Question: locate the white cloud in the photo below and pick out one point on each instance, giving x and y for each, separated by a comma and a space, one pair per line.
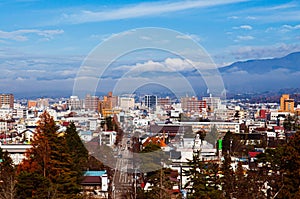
245, 38
258, 52
245, 27
287, 28
22, 35
251, 17
272, 13
168, 65
282, 6
141, 10
233, 17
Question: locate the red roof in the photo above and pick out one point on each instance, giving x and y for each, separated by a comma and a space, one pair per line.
66, 123
253, 154
155, 140
278, 128
96, 180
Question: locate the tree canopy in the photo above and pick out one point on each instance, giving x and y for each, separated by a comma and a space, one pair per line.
49, 162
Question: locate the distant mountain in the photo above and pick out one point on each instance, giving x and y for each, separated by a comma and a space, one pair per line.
290, 63
262, 75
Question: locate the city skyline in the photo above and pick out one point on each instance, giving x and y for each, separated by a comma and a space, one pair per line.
43, 53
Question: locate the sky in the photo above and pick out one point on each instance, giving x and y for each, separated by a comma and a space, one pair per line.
44, 43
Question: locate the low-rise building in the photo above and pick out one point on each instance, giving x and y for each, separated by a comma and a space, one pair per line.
107, 138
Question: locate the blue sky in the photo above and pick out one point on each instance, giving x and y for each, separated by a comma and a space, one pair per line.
43, 43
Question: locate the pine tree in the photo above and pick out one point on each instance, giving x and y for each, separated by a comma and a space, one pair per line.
212, 136
160, 184
77, 151
7, 177
196, 178
32, 185
213, 181
151, 158
228, 177
48, 159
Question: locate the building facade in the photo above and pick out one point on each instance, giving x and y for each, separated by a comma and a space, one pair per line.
91, 103
192, 104
6, 101
287, 104
126, 103
150, 101
74, 103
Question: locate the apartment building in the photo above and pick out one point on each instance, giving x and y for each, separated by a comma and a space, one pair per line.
6, 101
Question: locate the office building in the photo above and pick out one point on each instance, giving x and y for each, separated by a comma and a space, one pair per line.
126, 103
286, 104
192, 104
6, 101
150, 101
91, 103
74, 103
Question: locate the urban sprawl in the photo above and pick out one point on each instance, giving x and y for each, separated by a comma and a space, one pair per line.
149, 147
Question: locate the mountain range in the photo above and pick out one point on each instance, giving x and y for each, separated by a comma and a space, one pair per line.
263, 74
289, 62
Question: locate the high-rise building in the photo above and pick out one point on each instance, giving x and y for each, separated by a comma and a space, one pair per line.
286, 104
31, 103
164, 102
108, 105
213, 103
113, 99
7, 100
91, 103
192, 104
126, 103
150, 101
42, 103
74, 103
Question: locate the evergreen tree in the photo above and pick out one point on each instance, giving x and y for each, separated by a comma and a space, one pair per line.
227, 180
33, 185
196, 184
160, 184
212, 180
227, 142
291, 123
151, 159
231, 144
7, 177
48, 158
212, 136
282, 168
77, 151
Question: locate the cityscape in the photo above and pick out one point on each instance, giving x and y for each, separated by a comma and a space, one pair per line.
147, 99
151, 146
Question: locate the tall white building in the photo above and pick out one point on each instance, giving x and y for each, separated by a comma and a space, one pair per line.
74, 103
126, 103
212, 103
108, 138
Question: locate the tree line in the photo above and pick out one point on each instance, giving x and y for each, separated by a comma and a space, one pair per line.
53, 167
